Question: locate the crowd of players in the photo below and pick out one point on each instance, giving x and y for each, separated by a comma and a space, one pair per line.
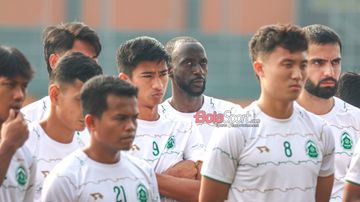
98, 137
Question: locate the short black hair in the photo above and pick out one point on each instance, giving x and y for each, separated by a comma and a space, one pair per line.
348, 89
94, 93
137, 50
321, 35
267, 38
13, 63
73, 66
170, 45
61, 38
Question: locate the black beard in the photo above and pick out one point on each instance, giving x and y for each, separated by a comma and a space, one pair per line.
322, 92
187, 87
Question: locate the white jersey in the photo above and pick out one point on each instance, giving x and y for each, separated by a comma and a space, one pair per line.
47, 152
79, 178
37, 110
40, 110
163, 143
273, 160
353, 174
206, 118
19, 181
345, 125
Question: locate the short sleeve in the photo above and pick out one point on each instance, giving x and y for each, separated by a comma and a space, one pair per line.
223, 154
327, 165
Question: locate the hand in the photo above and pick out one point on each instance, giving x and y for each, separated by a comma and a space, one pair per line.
183, 169
14, 131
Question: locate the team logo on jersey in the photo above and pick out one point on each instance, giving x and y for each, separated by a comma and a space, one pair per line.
311, 149
45, 173
21, 175
263, 149
97, 196
346, 141
171, 142
142, 193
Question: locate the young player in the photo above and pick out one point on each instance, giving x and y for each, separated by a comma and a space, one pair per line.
162, 142
289, 155
102, 171
324, 68
17, 167
188, 69
55, 137
348, 88
74, 36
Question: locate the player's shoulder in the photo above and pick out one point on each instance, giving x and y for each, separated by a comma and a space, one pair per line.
34, 111
344, 107
220, 104
45, 101
135, 161
71, 163
307, 116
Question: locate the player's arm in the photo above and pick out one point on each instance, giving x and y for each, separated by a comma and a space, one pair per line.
180, 189
213, 190
13, 134
323, 188
185, 169
6, 153
351, 192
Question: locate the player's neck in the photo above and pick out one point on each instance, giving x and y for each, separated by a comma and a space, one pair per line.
315, 104
183, 102
56, 130
148, 113
102, 154
275, 108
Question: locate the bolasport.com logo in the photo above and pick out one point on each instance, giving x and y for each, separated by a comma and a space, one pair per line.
227, 119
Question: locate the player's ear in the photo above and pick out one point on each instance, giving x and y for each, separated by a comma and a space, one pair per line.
90, 122
53, 58
258, 68
170, 69
123, 76
54, 91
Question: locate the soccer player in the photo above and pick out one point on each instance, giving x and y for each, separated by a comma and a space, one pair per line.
101, 171
74, 36
352, 179
324, 68
188, 69
289, 155
160, 141
17, 167
55, 137
348, 88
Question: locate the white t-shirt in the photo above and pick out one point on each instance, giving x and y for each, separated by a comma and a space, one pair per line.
47, 152
353, 174
37, 110
40, 110
19, 181
164, 142
344, 121
276, 160
203, 118
79, 178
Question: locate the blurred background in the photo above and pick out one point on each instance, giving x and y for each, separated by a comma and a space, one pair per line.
223, 26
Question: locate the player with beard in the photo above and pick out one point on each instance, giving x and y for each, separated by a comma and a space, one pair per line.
324, 68
171, 147
188, 69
